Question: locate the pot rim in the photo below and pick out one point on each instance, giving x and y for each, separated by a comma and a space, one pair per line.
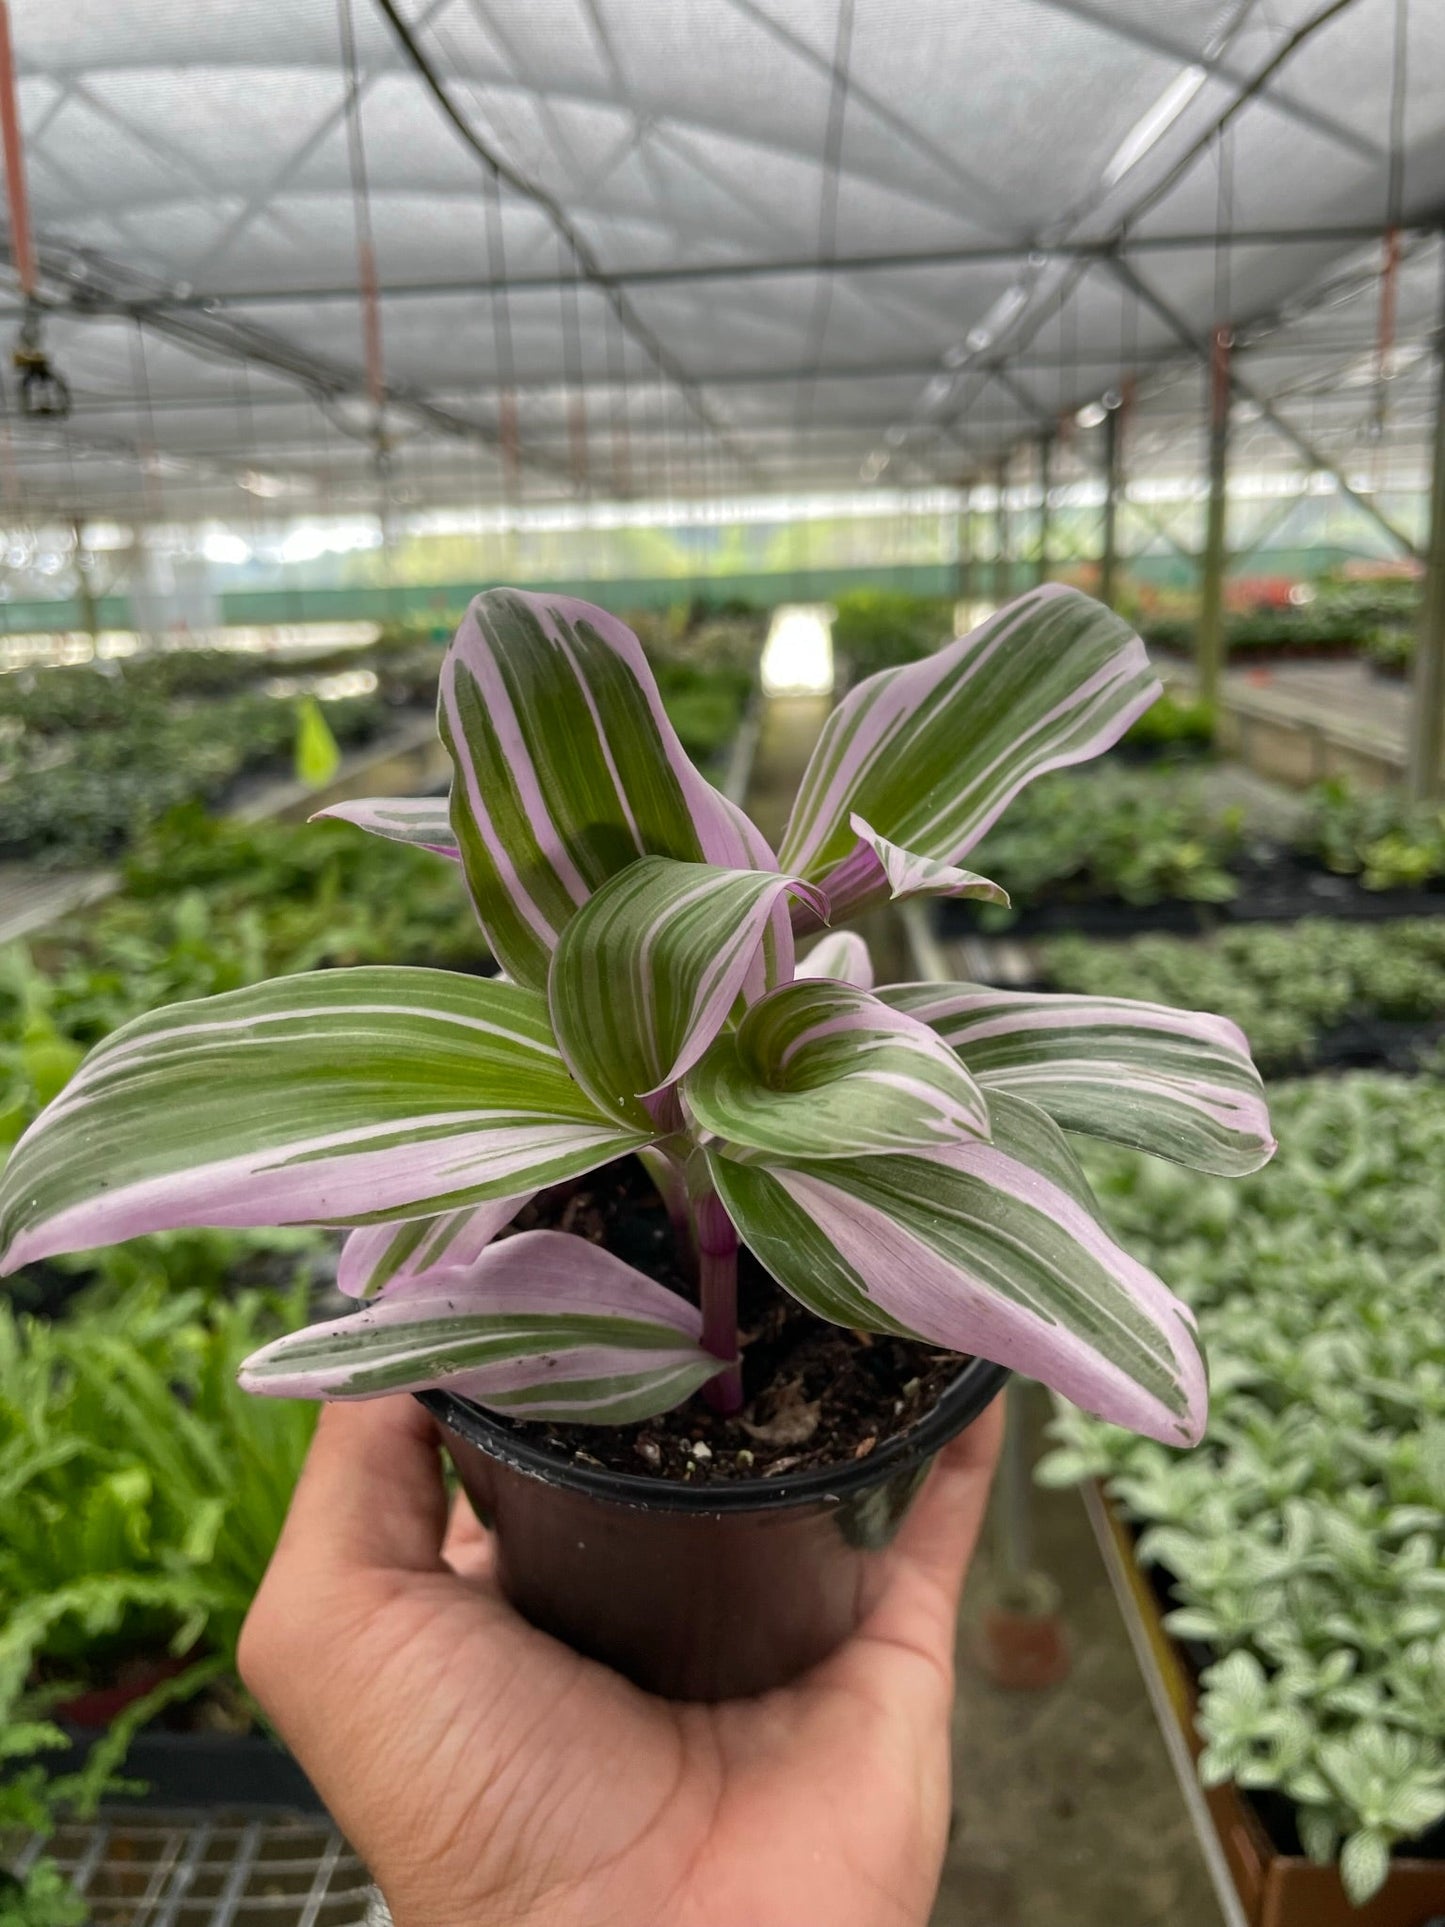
973, 1389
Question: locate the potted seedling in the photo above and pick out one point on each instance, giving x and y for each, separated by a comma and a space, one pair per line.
772, 1236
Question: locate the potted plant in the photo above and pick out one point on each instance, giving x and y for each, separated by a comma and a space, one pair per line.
883, 1175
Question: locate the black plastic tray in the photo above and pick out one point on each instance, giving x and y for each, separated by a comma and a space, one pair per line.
203, 1770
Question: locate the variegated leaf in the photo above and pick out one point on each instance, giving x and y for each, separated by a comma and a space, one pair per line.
929, 754
329, 1097
544, 1326
1179, 1083
567, 770
384, 1257
880, 868
819, 1069
843, 955
645, 974
423, 820
990, 1249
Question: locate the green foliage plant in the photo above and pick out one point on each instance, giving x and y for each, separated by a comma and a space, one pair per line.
1305, 1540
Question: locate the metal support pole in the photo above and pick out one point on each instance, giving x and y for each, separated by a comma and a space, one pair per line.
1002, 560
22, 248
1108, 557
1210, 646
1427, 691
1046, 465
963, 568
85, 586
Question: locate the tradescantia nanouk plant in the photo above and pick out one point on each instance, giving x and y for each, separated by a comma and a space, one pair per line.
895, 1158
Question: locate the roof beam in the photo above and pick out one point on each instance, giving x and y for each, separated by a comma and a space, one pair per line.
1140, 32
1340, 235
1198, 347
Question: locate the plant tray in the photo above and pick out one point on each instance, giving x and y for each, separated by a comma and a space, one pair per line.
1280, 890
232, 1770
1267, 1888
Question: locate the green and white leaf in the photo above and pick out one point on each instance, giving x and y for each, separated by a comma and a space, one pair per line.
991, 1249
1178, 1083
820, 1069
329, 1097
544, 1326
568, 770
648, 970
929, 754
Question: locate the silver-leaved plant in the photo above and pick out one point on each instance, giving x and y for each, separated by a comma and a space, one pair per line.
896, 1158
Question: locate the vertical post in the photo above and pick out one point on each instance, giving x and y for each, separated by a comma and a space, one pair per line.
1002, 560
1427, 691
85, 588
22, 247
1210, 643
963, 568
1108, 556
1046, 476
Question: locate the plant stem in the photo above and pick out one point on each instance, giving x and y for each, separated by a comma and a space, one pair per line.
717, 1245
671, 1181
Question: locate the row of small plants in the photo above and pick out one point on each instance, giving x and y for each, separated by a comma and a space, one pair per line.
1301, 1548
91, 755
143, 1493
1146, 836
86, 808
1302, 993
1341, 618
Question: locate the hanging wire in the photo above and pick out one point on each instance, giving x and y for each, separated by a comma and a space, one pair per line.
1390, 257
621, 407
367, 279
508, 427
578, 454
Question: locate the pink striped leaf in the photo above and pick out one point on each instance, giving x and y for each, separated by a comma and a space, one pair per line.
422, 820
929, 754
878, 868
567, 770
1178, 1083
647, 972
843, 955
820, 1069
992, 1249
543, 1326
384, 1257
329, 1097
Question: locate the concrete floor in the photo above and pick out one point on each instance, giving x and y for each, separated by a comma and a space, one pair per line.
1067, 1810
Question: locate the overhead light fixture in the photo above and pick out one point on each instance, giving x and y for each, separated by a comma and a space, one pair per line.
266, 486
896, 436
988, 328
1152, 126
1091, 414
938, 388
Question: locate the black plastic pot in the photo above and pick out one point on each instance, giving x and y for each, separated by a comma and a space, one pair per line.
697, 1593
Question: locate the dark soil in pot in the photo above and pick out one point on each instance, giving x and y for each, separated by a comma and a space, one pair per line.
816, 1394
705, 1557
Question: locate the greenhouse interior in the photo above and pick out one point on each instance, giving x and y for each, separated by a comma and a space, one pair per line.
539, 541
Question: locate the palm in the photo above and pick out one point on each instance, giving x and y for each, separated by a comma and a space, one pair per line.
488, 1773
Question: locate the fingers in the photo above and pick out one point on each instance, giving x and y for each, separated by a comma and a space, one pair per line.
931, 1554
371, 1496
467, 1548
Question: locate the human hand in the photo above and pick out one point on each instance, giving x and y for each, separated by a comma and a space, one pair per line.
490, 1777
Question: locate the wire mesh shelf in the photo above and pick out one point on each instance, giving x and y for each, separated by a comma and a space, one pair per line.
182, 1869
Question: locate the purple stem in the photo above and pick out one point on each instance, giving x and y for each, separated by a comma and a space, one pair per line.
717, 1245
